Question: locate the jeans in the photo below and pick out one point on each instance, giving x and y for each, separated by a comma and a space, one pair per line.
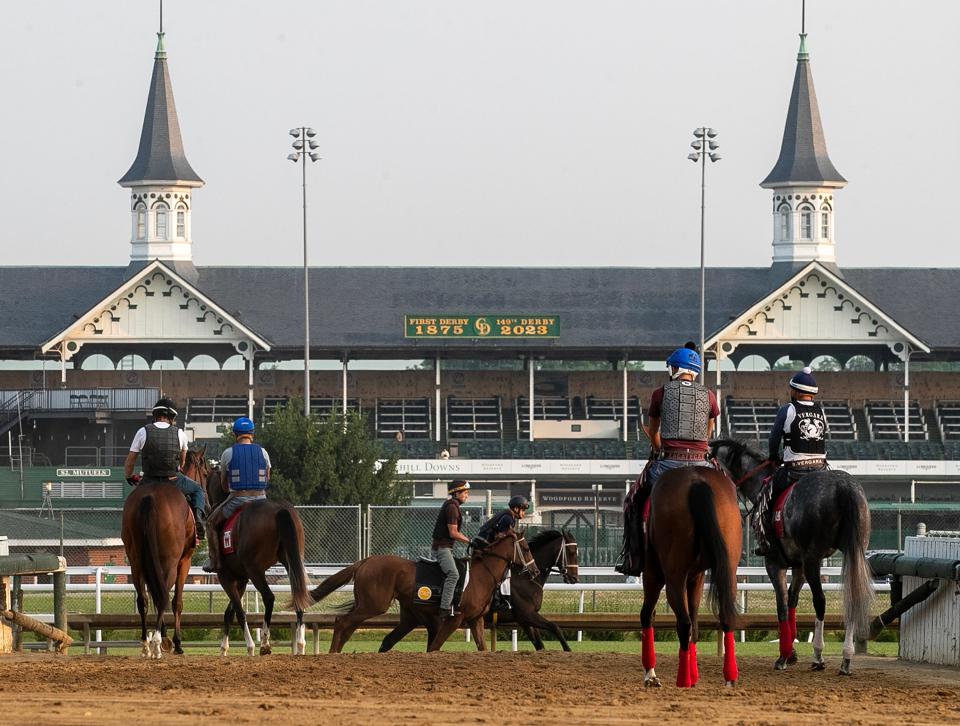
661, 466
449, 567
192, 491
234, 503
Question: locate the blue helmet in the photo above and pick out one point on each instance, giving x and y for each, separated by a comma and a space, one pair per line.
243, 425
685, 359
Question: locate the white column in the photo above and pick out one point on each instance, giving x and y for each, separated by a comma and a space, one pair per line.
250, 385
719, 395
906, 395
626, 418
345, 370
436, 387
530, 365
63, 364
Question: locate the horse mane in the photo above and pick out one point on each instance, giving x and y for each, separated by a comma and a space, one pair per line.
544, 538
738, 447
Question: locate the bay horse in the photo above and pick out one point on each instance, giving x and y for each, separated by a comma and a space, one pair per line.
159, 536
694, 526
380, 579
551, 549
825, 511
266, 532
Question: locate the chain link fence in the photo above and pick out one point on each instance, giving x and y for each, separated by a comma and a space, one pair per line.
340, 535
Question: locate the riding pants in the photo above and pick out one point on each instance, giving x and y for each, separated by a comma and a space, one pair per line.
188, 487
658, 467
232, 504
449, 567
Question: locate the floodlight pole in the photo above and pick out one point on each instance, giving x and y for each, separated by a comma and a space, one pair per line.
703, 147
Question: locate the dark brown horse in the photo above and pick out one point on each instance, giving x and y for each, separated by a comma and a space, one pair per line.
159, 536
825, 511
266, 532
694, 526
551, 549
381, 579
198, 468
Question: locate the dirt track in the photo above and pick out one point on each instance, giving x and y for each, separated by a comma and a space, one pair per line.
452, 688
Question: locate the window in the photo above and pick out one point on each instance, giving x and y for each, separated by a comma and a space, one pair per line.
785, 223
141, 223
806, 224
825, 225
161, 223
181, 224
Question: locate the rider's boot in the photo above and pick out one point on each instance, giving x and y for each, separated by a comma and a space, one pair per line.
200, 523
213, 551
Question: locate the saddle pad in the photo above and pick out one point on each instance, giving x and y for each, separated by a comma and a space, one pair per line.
429, 582
778, 510
505, 585
645, 516
226, 541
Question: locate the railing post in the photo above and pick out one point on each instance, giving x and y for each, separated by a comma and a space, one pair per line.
60, 600
97, 603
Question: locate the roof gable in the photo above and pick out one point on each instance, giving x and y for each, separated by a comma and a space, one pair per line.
812, 306
155, 306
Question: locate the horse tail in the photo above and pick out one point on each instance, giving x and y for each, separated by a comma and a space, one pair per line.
852, 539
290, 542
150, 554
334, 582
707, 533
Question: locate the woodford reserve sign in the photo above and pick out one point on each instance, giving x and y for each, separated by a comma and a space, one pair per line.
481, 326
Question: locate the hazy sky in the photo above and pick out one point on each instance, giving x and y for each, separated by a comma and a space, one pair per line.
488, 132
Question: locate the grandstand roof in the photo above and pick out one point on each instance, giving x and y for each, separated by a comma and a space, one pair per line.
360, 310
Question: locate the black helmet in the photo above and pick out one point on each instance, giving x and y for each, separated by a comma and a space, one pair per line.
518, 502
165, 407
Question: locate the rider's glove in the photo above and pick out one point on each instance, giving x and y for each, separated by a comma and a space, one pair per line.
133, 480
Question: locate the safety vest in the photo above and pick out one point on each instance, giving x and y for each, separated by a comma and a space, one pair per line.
684, 411
806, 434
247, 468
161, 451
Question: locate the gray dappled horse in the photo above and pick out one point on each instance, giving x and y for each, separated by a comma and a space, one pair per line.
825, 511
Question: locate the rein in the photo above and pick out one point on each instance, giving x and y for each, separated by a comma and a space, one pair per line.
749, 475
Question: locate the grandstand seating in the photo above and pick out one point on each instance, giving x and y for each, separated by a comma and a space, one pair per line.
611, 409
841, 425
750, 419
885, 419
318, 406
474, 418
948, 418
216, 410
545, 408
409, 416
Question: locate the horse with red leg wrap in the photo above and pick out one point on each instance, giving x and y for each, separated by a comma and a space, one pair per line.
693, 526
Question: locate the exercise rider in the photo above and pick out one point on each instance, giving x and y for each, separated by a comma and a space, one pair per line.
448, 530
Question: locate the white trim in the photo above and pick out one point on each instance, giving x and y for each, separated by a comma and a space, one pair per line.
728, 332
79, 323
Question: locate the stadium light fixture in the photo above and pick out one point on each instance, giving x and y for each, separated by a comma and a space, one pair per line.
302, 136
703, 140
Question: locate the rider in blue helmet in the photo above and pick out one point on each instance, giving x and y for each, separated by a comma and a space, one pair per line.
802, 427
502, 522
245, 473
682, 416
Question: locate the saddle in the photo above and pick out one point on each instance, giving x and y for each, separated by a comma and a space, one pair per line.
429, 581
226, 532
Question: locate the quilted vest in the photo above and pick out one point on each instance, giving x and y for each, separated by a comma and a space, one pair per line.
685, 411
161, 451
247, 468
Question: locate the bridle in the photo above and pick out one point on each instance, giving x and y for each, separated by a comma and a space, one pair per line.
561, 561
517, 559
748, 505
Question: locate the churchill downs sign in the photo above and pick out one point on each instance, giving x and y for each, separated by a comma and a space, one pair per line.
481, 326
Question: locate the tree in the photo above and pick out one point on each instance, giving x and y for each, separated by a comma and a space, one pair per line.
328, 460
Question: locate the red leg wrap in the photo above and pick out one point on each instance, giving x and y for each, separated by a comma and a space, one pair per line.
792, 618
694, 670
786, 639
649, 654
683, 669
730, 670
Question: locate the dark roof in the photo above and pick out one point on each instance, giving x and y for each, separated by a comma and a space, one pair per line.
803, 153
160, 156
356, 309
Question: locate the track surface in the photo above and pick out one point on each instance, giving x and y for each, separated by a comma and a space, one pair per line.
453, 688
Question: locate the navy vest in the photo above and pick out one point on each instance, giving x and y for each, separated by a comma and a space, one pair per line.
161, 451
247, 468
808, 430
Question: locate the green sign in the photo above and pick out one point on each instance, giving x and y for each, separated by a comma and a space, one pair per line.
481, 326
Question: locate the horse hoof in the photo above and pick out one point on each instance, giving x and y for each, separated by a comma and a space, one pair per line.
652, 683
780, 665
265, 650
166, 645
729, 684
818, 666
223, 652
250, 651
792, 659
177, 650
